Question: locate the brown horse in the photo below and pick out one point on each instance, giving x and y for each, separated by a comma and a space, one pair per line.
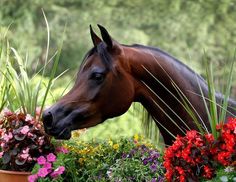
112, 76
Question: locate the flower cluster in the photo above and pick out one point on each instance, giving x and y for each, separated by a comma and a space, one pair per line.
125, 159
22, 140
224, 149
47, 168
194, 155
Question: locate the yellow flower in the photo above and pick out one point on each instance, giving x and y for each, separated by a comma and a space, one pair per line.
81, 161
110, 142
115, 146
136, 137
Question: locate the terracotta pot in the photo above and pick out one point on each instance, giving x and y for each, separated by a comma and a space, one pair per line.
13, 176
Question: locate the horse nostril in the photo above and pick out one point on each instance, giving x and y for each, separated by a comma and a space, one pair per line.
47, 119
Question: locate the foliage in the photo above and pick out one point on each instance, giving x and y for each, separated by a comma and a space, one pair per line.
194, 155
115, 160
22, 92
22, 140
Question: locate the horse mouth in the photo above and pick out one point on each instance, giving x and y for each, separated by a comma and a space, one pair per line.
64, 134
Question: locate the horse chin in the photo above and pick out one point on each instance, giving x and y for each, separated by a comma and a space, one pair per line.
65, 134
87, 123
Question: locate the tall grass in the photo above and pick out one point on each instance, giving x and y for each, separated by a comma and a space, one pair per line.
18, 88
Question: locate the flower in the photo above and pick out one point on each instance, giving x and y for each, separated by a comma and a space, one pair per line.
47, 165
1, 154
25, 130
62, 149
41, 160
153, 167
51, 157
187, 153
43, 172
60, 170
33, 178
115, 146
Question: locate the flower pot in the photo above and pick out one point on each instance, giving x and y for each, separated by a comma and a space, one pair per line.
13, 176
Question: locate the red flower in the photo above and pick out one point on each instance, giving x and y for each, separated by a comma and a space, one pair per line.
184, 157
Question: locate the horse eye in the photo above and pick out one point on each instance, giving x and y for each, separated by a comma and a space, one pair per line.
98, 77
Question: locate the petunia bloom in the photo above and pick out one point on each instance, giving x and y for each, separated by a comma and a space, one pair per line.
41, 160
33, 178
51, 157
43, 172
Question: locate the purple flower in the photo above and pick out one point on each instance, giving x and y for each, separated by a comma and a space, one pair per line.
41, 160
153, 167
51, 157
160, 179
60, 170
43, 172
145, 161
124, 155
154, 180
33, 178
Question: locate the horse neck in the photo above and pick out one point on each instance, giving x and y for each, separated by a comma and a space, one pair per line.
154, 74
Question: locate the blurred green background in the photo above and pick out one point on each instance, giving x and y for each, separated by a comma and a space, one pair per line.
184, 28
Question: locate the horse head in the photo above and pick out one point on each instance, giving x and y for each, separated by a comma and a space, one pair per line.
103, 89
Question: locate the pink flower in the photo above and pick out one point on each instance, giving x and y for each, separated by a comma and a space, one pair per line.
24, 156
28, 117
25, 130
8, 137
41, 160
33, 178
1, 154
51, 157
62, 150
26, 151
43, 172
60, 170
47, 165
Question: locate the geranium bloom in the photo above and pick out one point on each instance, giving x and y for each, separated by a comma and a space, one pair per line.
51, 157
43, 172
25, 130
41, 160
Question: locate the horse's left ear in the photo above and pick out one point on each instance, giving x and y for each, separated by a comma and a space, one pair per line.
106, 37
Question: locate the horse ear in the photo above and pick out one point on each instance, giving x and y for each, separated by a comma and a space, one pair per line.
105, 36
96, 40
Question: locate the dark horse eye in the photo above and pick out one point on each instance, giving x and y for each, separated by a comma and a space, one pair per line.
98, 77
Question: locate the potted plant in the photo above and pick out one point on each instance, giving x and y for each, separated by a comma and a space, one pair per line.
22, 138
22, 141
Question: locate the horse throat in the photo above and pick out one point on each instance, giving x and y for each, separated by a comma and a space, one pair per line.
154, 76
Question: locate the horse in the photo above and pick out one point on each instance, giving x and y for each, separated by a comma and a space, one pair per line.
112, 76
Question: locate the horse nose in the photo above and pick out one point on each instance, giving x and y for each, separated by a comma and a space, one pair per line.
47, 118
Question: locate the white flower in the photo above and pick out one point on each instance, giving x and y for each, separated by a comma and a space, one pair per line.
229, 169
